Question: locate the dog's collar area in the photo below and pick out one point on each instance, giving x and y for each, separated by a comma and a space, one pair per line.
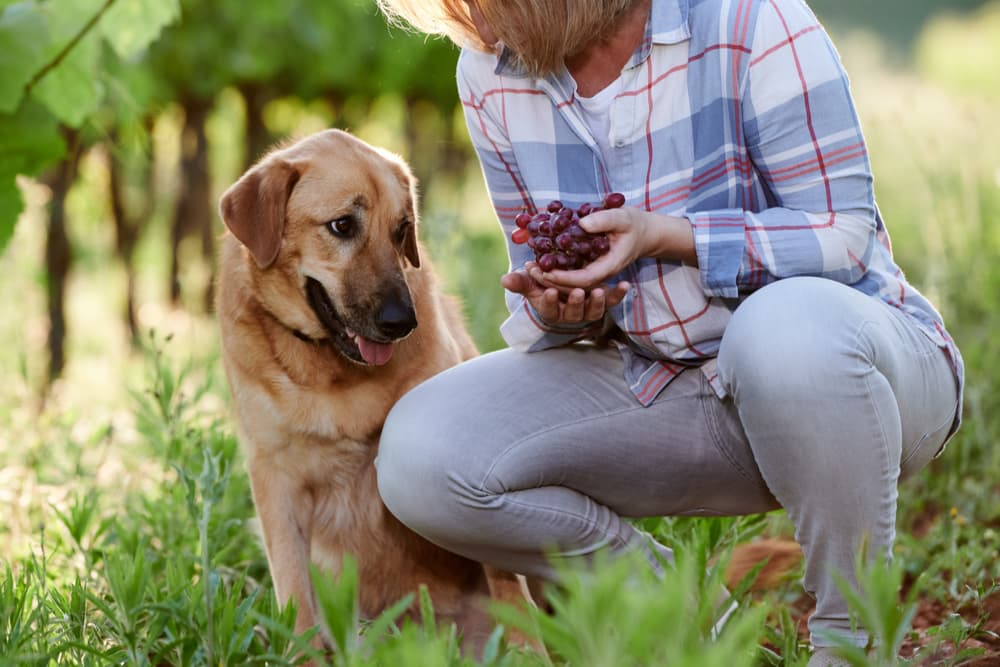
301, 336
305, 338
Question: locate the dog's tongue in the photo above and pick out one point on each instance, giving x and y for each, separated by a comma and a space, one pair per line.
374, 353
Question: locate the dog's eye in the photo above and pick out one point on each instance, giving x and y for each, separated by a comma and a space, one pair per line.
342, 227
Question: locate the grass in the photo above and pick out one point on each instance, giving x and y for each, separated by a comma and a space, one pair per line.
128, 534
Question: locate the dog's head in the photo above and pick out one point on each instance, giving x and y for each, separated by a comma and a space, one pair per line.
330, 223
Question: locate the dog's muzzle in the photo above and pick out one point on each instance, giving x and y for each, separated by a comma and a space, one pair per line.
396, 318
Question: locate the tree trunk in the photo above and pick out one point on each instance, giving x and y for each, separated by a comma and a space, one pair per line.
58, 254
456, 156
258, 139
193, 212
419, 160
128, 223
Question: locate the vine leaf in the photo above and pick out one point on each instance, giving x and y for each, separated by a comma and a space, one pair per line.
29, 141
73, 90
24, 35
129, 27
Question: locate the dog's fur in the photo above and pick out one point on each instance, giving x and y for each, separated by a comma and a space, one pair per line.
330, 312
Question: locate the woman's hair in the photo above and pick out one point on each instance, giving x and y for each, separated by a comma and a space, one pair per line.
540, 33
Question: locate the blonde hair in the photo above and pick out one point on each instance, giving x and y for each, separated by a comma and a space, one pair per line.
540, 33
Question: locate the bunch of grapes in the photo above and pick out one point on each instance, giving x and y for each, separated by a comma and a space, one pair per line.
558, 239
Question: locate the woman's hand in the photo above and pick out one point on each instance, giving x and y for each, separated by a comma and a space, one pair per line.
578, 306
633, 233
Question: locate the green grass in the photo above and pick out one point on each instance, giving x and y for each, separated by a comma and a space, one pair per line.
127, 531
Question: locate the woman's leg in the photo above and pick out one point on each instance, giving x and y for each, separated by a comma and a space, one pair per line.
837, 392
512, 457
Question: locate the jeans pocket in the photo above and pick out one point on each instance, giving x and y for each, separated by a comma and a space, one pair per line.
727, 435
924, 450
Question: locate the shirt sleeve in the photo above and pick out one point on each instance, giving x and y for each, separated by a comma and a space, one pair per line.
483, 108
804, 140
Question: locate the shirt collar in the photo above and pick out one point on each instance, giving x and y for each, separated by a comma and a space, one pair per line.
667, 24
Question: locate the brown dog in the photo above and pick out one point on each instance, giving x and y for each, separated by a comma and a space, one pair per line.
329, 313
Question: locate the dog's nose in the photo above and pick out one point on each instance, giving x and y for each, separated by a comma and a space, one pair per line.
396, 319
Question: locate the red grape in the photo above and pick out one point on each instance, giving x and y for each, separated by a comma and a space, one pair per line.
556, 237
614, 200
601, 245
547, 262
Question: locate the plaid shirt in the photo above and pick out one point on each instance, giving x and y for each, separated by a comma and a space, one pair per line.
733, 113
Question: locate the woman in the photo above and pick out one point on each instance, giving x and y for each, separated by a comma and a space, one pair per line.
768, 352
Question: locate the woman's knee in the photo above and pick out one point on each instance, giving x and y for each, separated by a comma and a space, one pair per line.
412, 456
432, 458
792, 336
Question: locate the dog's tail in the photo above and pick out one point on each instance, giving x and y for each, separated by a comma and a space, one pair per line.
778, 560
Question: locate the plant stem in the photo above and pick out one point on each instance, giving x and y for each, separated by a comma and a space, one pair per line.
206, 573
52, 64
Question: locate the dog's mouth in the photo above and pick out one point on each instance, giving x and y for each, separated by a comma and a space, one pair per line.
355, 347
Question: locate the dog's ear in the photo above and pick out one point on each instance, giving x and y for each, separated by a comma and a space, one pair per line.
253, 208
410, 249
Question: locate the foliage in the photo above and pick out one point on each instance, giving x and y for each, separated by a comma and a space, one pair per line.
178, 579
55, 72
898, 22
104, 64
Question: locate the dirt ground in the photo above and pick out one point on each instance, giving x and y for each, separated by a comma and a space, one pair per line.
931, 613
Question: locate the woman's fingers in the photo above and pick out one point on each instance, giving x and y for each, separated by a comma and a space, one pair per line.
548, 306
596, 304
593, 274
536, 274
616, 294
512, 282
573, 309
564, 305
611, 220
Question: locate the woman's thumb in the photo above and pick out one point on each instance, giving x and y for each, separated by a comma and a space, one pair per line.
515, 281
603, 221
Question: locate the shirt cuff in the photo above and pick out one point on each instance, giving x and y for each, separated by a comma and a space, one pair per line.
526, 331
719, 240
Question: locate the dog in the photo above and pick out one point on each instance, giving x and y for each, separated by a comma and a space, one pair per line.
329, 312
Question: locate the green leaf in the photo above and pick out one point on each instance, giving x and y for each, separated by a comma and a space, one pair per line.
73, 89
24, 36
129, 26
29, 140
11, 205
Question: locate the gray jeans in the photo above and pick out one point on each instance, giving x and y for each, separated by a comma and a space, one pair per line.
515, 458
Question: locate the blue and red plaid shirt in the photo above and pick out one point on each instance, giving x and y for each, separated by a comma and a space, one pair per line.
733, 113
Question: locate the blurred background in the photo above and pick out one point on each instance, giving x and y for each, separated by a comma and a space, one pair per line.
122, 122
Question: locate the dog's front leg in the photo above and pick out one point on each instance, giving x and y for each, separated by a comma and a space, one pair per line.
515, 589
285, 510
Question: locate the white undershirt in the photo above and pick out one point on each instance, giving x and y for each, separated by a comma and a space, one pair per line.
596, 111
